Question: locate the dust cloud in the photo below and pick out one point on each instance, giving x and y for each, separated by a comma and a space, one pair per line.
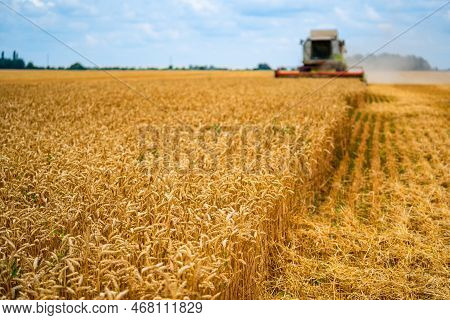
408, 77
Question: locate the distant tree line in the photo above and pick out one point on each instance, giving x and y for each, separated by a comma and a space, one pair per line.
388, 61
17, 63
14, 63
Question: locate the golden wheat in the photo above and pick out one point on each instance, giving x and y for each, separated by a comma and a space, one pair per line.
93, 206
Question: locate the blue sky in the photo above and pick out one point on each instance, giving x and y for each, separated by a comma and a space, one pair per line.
229, 33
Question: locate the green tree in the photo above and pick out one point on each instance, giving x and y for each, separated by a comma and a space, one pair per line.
263, 66
30, 65
77, 66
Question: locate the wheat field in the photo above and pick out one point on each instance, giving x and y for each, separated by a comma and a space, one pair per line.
221, 185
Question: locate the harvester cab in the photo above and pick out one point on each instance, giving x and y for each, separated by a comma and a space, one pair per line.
323, 56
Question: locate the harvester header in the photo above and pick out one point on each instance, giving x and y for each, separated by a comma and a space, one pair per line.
323, 56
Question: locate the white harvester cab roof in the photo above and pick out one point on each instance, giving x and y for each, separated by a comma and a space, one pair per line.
323, 34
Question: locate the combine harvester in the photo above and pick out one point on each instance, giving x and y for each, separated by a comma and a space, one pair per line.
323, 57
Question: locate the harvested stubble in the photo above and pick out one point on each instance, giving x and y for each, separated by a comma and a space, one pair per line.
383, 230
85, 213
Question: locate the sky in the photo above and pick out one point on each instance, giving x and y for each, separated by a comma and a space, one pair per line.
233, 33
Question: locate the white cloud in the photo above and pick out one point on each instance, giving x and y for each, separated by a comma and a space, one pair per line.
352, 19
78, 7
202, 6
78, 25
128, 12
39, 4
386, 27
148, 30
341, 13
91, 40
174, 34
372, 13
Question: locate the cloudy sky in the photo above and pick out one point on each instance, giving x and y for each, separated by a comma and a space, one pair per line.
233, 33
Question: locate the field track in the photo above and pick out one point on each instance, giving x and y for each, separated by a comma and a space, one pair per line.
382, 230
